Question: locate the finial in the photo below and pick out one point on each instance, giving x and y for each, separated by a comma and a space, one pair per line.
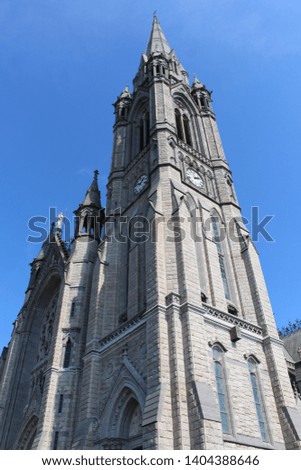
96, 173
195, 79
155, 14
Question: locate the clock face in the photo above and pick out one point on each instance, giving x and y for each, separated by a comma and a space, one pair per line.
195, 178
140, 184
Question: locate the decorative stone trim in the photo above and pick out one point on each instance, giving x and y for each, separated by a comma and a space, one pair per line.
74, 329
233, 320
123, 329
172, 298
138, 157
193, 152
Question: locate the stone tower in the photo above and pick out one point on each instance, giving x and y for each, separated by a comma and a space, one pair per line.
158, 334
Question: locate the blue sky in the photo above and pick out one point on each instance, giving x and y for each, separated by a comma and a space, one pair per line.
62, 65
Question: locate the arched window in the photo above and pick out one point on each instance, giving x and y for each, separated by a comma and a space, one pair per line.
187, 130
183, 127
85, 225
67, 357
72, 311
218, 242
221, 389
147, 128
143, 131
141, 135
46, 332
61, 401
258, 399
179, 124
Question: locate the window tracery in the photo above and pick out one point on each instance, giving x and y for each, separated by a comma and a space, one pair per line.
47, 329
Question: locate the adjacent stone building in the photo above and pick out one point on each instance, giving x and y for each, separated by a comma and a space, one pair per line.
292, 352
154, 330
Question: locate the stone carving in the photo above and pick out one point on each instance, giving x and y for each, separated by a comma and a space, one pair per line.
47, 330
173, 298
109, 370
127, 326
60, 219
194, 153
233, 320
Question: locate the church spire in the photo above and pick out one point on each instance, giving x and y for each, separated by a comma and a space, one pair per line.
90, 214
157, 41
92, 197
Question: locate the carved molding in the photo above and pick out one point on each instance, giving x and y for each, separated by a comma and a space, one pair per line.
233, 320
193, 152
172, 298
119, 332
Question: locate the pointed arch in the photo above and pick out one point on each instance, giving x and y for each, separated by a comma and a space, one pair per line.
40, 324
219, 345
187, 120
218, 352
67, 355
28, 434
126, 420
131, 425
139, 234
181, 99
139, 126
48, 287
128, 392
252, 362
190, 203
187, 130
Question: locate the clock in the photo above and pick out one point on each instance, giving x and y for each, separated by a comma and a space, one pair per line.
140, 184
195, 178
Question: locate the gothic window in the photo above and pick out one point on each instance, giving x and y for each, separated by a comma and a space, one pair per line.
47, 330
258, 399
183, 127
187, 130
61, 401
72, 311
138, 237
67, 357
141, 135
221, 389
88, 224
147, 128
179, 124
85, 225
221, 257
143, 131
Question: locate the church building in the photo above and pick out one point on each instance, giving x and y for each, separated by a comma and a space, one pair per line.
153, 329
